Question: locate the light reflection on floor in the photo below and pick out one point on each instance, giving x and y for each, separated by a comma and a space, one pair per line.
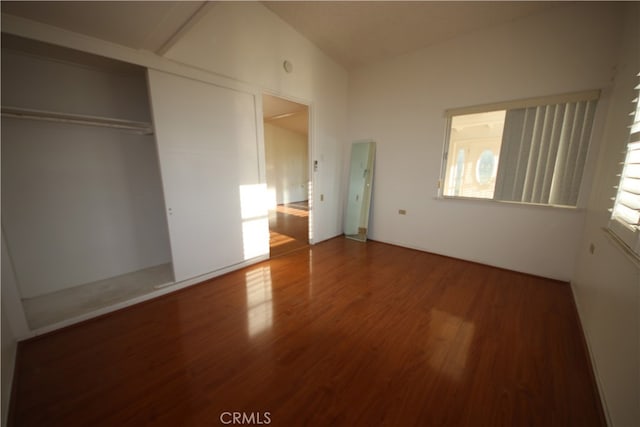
276, 239
289, 227
292, 211
449, 341
259, 300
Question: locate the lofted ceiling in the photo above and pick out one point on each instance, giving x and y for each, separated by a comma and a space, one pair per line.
148, 25
353, 33
358, 33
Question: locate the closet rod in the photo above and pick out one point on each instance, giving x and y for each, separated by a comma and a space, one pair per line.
51, 116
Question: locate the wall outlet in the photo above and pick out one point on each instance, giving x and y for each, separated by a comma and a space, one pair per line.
322, 197
402, 211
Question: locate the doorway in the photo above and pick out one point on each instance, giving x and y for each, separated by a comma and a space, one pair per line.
286, 141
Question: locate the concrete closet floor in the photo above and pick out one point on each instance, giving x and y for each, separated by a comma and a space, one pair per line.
66, 304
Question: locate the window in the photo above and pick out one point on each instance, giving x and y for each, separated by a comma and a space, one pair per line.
625, 215
530, 151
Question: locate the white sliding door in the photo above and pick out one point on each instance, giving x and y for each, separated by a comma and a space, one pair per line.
209, 160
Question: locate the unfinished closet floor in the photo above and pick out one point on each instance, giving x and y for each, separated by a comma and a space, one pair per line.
52, 308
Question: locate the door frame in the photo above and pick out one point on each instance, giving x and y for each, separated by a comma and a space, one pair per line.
310, 151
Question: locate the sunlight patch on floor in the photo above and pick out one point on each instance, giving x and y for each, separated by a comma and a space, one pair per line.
277, 239
292, 211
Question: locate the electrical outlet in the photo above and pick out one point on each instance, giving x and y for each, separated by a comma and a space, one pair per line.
402, 211
322, 197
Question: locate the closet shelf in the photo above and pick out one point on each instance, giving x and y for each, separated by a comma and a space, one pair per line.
81, 119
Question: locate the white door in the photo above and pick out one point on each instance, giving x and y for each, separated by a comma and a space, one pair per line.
208, 151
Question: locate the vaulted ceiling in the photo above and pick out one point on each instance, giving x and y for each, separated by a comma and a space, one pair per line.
354, 34
137, 24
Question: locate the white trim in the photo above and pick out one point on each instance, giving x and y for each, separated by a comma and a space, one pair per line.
262, 157
49, 34
615, 237
594, 366
184, 28
468, 259
589, 95
310, 153
511, 202
444, 159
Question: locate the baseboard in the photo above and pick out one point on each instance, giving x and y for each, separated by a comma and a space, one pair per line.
471, 260
594, 366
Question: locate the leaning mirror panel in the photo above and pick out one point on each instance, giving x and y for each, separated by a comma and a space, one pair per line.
359, 195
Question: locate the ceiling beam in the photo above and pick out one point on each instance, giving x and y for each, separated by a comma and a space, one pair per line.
184, 28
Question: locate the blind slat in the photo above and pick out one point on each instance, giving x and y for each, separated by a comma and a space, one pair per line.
632, 170
629, 199
631, 185
625, 217
633, 157
629, 216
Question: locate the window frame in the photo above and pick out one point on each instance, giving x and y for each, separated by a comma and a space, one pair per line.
625, 234
587, 95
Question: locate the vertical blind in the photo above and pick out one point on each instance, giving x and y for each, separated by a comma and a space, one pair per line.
625, 217
543, 153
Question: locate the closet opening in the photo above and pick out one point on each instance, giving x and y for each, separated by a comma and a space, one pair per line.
83, 212
288, 173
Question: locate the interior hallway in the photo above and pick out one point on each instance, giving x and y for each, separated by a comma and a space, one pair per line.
288, 228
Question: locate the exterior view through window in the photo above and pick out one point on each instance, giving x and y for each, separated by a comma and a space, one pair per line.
475, 139
531, 151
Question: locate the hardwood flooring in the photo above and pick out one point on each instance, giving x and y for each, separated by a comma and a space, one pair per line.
344, 333
288, 228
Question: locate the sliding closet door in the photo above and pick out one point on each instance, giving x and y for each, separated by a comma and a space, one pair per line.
208, 150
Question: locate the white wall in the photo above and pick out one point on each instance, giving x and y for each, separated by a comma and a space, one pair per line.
79, 203
287, 163
400, 104
607, 283
247, 42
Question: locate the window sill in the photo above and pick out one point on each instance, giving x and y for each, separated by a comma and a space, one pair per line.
509, 203
622, 246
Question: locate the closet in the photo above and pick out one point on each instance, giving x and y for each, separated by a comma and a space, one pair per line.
84, 219
121, 183
210, 158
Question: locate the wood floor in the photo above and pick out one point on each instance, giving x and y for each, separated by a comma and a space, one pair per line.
288, 228
344, 333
